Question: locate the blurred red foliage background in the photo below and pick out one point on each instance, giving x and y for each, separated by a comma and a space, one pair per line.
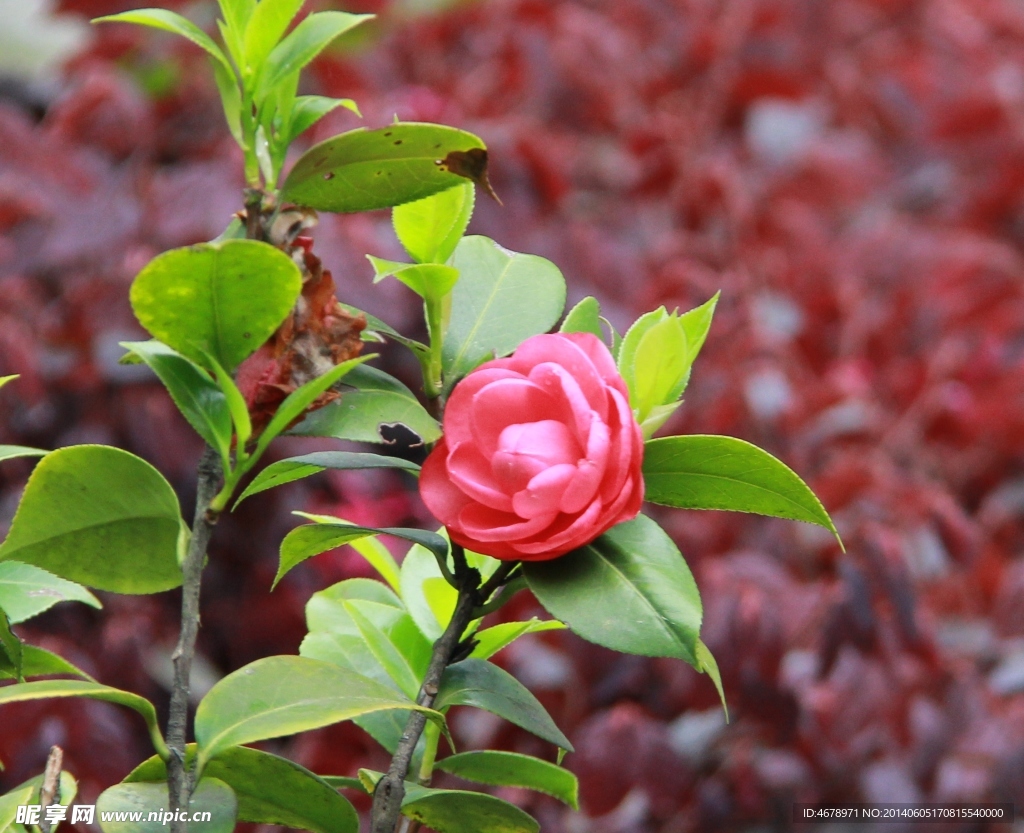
850, 174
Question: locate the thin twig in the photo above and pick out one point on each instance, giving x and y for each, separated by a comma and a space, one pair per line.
210, 476
49, 793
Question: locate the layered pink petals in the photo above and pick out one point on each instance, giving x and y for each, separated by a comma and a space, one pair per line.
541, 453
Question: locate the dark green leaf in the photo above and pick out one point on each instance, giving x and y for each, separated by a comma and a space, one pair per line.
461, 811
367, 169
10, 647
279, 696
101, 517
27, 590
630, 590
269, 789
703, 471
585, 317
38, 662
377, 329
224, 298
474, 682
502, 298
511, 769
304, 43
296, 468
379, 401
169, 21
197, 396
431, 228
124, 800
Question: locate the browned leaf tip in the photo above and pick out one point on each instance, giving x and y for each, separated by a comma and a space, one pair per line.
471, 164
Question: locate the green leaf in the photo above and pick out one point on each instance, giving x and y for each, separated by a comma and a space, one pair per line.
5, 379
236, 16
428, 597
367, 169
344, 782
384, 651
46, 689
278, 696
38, 662
708, 665
266, 27
296, 468
237, 406
9, 803
462, 811
703, 471
170, 22
197, 396
309, 109
378, 402
26, 591
304, 43
101, 517
502, 298
431, 228
585, 317
230, 99
377, 329
511, 769
379, 557
697, 322
146, 799
225, 298
428, 280
299, 400
475, 682
660, 367
10, 647
312, 539
491, 640
630, 590
269, 789
9, 451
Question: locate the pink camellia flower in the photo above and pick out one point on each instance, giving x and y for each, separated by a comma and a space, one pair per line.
540, 454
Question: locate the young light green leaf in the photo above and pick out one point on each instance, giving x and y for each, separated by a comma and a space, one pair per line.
428, 280
502, 298
11, 801
38, 662
269, 789
493, 639
299, 400
113, 525
266, 27
296, 468
378, 402
697, 323
169, 21
312, 539
431, 228
703, 471
367, 169
630, 590
309, 109
128, 808
304, 43
585, 317
462, 811
8, 452
46, 689
385, 652
10, 647
224, 298
278, 696
197, 396
475, 682
512, 769
660, 367
707, 664
237, 407
5, 379
27, 590
230, 99
428, 597
236, 17
379, 557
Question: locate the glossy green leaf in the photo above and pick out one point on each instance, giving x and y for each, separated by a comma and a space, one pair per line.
493, 639
309, 109
27, 590
237, 406
697, 323
304, 43
279, 696
10, 647
511, 769
502, 298
169, 21
197, 396
296, 468
376, 404
367, 169
428, 280
266, 27
224, 298
475, 682
101, 517
660, 367
585, 317
703, 471
46, 689
121, 801
312, 539
9, 451
462, 811
706, 663
269, 789
428, 597
384, 651
630, 590
38, 662
431, 228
